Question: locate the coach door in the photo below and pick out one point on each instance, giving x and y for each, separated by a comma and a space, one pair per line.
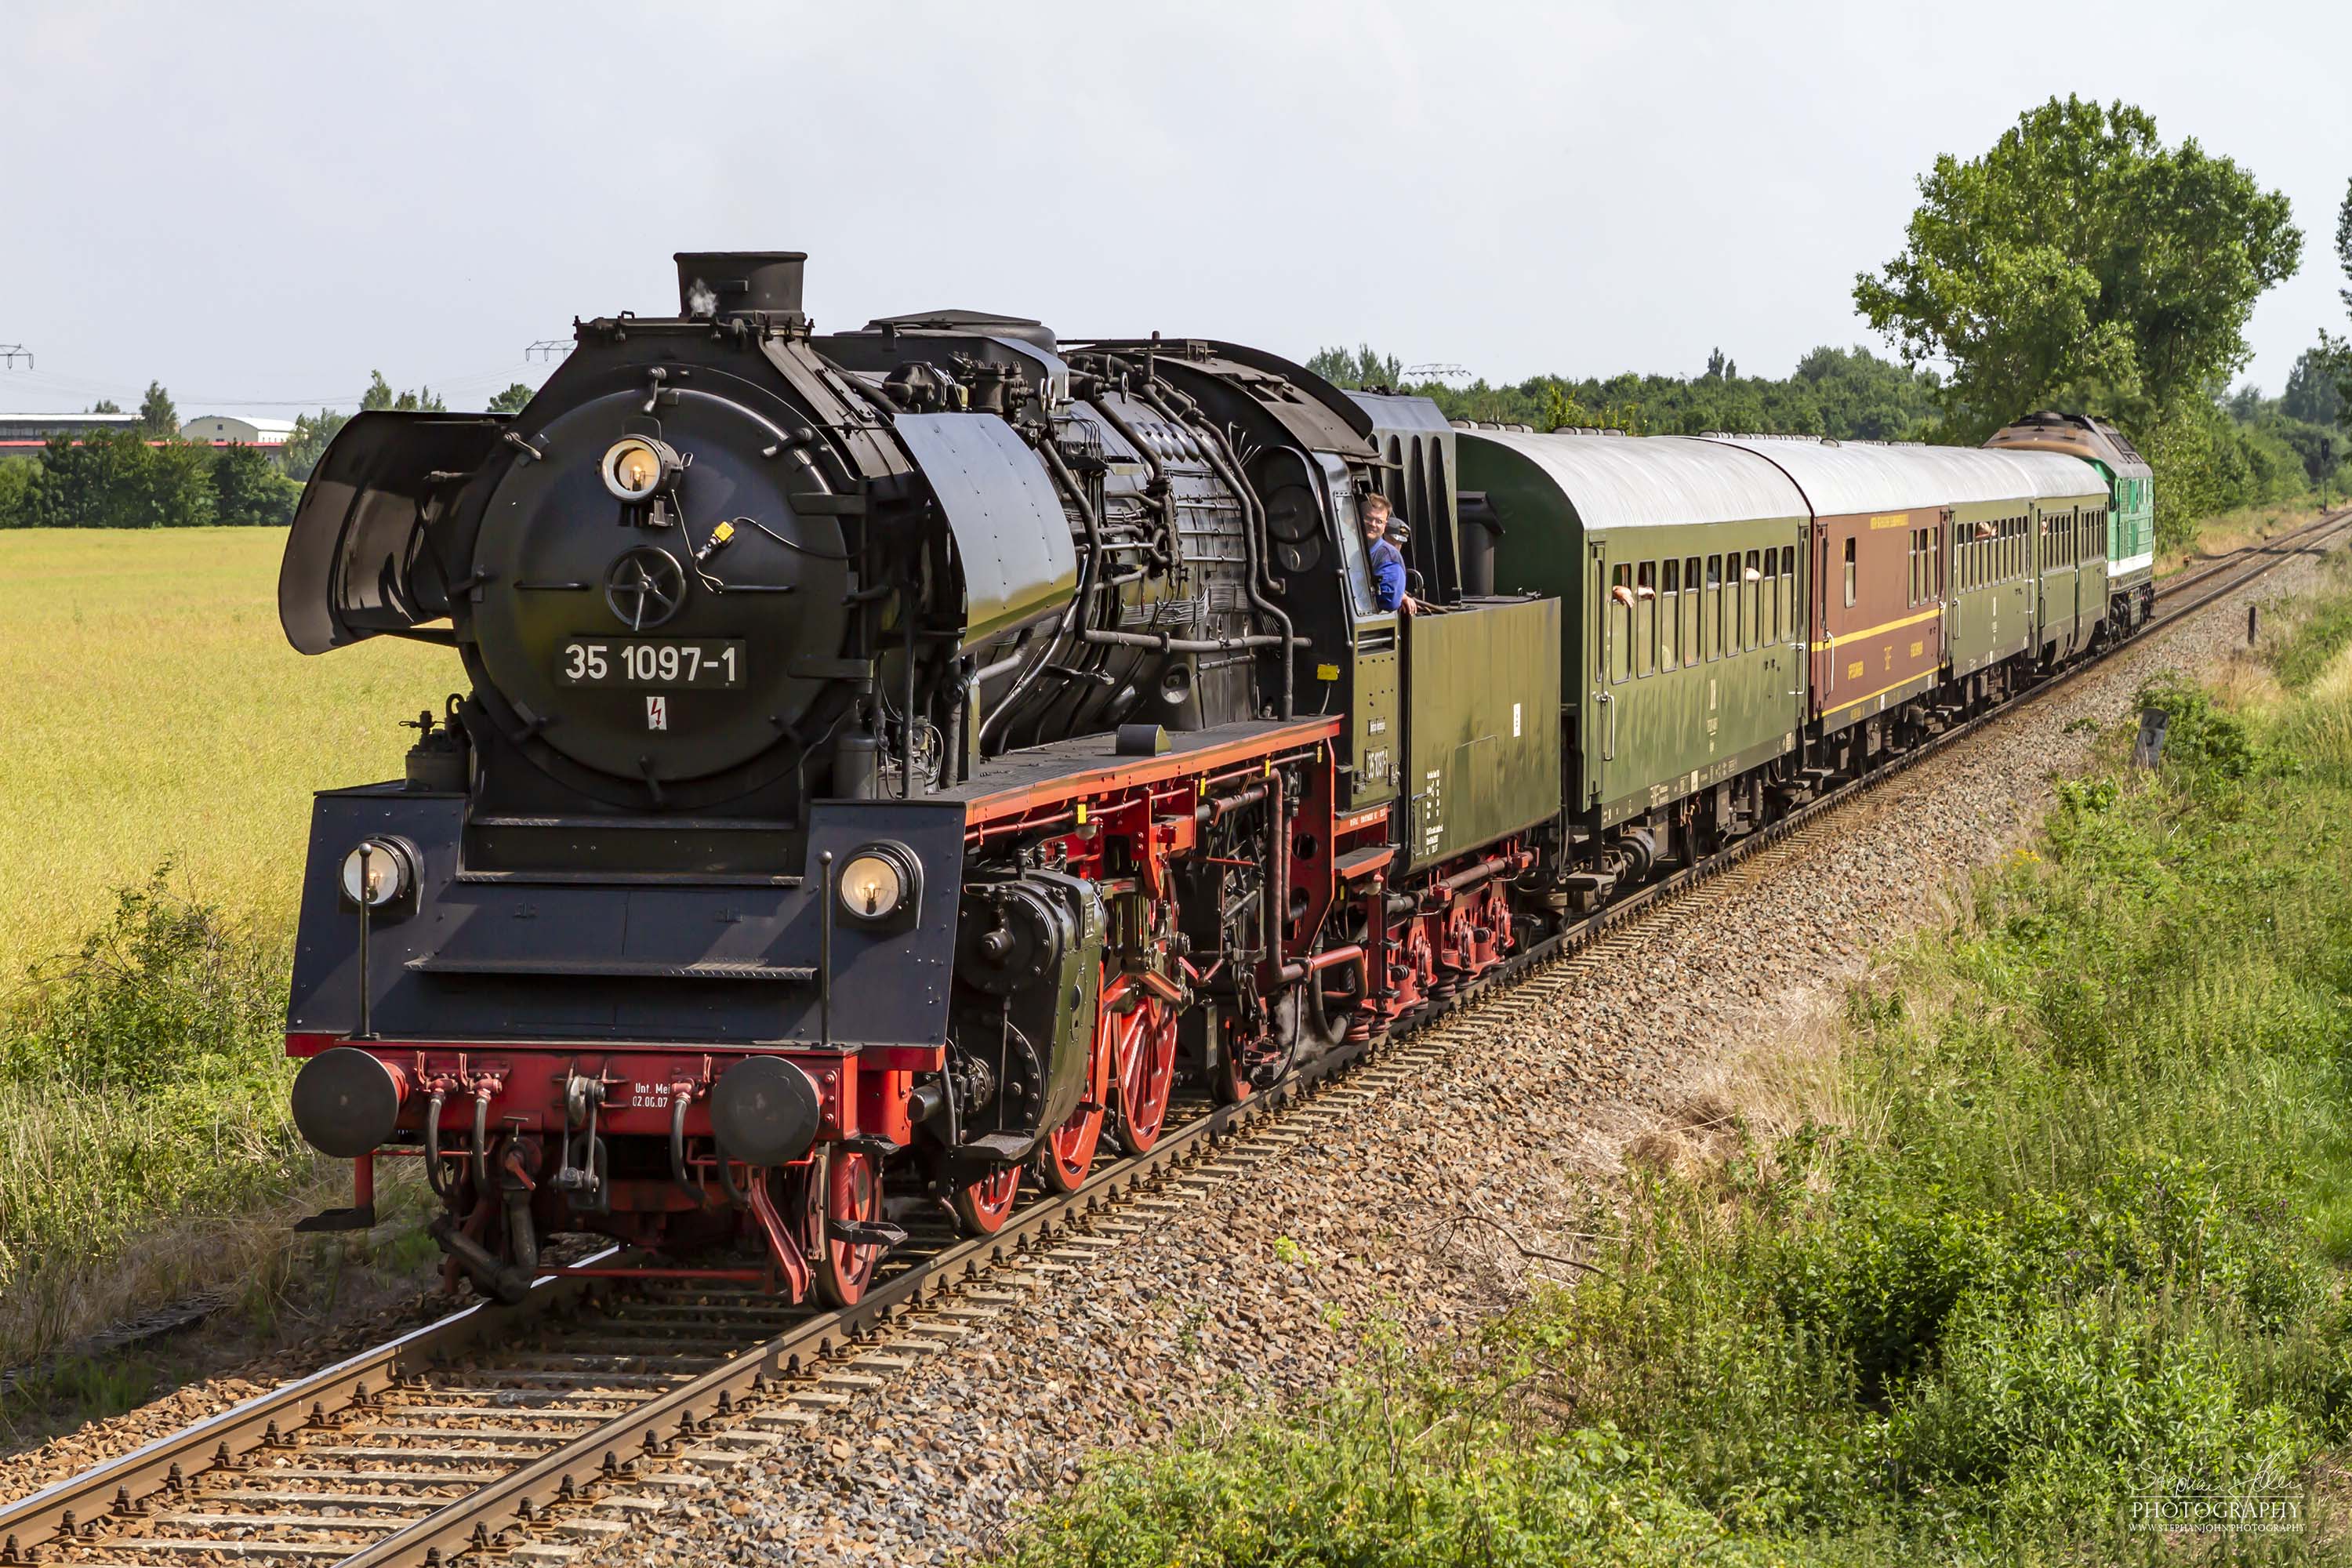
1612, 650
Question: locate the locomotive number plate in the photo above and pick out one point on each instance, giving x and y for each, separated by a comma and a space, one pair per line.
650, 661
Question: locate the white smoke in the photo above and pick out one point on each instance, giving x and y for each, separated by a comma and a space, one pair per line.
701, 300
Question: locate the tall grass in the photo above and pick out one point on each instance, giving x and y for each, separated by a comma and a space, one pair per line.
2054, 1221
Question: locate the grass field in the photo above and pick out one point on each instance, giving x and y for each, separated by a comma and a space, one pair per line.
154, 712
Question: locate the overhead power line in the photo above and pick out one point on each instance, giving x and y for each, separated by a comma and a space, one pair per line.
11, 352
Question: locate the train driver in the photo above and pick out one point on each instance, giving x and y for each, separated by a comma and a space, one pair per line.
1387, 561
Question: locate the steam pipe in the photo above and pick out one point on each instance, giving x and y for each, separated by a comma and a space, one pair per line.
1483, 871
1165, 643
1352, 955
1217, 807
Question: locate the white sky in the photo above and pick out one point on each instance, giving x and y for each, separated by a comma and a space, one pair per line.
259, 203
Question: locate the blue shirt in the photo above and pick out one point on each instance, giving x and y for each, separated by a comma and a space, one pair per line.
1388, 575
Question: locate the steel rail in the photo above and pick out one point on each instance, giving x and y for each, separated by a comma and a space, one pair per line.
650, 1433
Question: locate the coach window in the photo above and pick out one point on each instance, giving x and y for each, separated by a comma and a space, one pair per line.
1771, 588
1789, 590
1691, 603
1734, 591
1935, 564
1670, 611
1849, 572
1620, 621
1711, 616
1752, 582
1646, 616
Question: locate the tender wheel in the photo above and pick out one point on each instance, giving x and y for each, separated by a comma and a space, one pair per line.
982, 1207
845, 1186
1143, 1058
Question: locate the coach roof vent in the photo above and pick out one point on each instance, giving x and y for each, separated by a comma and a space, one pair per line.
729, 282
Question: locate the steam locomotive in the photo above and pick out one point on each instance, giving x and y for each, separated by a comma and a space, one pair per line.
895, 760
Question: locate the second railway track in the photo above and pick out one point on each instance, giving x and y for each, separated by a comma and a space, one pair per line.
536, 1432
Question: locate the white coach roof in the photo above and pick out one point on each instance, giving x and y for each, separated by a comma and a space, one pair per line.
1845, 479
1648, 481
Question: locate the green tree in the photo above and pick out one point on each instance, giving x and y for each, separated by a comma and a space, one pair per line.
2344, 245
249, 492
379, 396
16, 477
511, 400
2081, 261
1359, 370
114, 478
2311, 393
307, 443
106, 405
157, 420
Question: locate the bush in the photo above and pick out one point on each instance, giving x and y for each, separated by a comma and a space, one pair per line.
163, 992
141, 1079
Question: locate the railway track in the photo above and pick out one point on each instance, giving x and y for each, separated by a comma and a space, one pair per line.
535, 1433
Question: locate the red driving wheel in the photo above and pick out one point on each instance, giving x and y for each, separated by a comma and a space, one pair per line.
1068, 1151
982, 1207
842, 1185
1143, 1058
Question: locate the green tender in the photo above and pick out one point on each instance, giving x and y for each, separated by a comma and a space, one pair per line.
1482, 741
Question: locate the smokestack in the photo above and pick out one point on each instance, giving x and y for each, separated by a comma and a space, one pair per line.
725, 282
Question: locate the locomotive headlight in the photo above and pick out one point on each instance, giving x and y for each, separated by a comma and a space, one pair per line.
879, 883
637, 467
378, 873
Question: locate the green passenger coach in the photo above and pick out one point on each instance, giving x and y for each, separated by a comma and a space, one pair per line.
1679, 567
2130, 504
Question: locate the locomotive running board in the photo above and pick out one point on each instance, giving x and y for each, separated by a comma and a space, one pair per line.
616, 968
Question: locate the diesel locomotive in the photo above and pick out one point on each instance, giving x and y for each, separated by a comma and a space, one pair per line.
893, 761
